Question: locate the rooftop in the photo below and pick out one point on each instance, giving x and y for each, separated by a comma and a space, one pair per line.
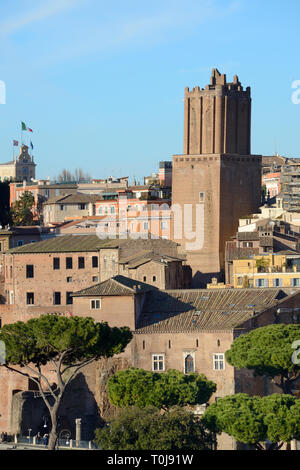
196, 310
118, 285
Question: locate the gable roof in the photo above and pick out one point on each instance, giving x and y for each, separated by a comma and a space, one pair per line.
118, 285
197, 310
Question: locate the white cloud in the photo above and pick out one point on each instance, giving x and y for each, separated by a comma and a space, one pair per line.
47, 10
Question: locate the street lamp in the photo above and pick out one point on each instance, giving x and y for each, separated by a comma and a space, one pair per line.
29, 430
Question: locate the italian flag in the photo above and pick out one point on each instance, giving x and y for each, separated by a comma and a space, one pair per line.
25, 128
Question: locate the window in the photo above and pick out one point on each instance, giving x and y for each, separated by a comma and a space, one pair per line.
0, 246
57, 298
30, 298
29, 271
81, 262
201, 197
11, 298
69, 279
95, 279
164, 225
96, 304
145, 279
104, 262
146, 226
154, 278
69, 263
95, 261
112, 210
100, 210
20, 242
158, 362
189, 364
262, 283
277, 282
295, 282
81, 207
219, 362
62, 207
69, 299
56, 263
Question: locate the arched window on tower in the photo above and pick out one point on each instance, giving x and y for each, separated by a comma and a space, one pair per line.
189, 364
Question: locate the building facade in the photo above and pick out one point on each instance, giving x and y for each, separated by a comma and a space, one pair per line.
20, 169
217, 180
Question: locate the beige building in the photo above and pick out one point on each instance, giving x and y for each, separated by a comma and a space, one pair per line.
272, 270
68, 207
21, 168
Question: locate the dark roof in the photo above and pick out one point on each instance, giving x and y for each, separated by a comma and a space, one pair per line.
118, 285
67, 243
145, 256
78, 243
71, 199
195, 310
248, 236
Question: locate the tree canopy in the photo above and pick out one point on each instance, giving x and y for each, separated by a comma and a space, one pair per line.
21, 211
140, 388
268, 351
67, 343
254, 420
148, 429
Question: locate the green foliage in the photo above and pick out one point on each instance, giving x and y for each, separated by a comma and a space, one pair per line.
41, 339
137, 387
262, 263
148, 429
21, 211
268, 351
252, 420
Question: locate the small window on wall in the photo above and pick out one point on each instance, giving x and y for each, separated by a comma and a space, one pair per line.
219, 362
29, 271
95, 261
69, 263
56, 263
30, 298
95, 304
69, 299
201, 197
189, 364
81, 262
20, 242
57, 298
158, 362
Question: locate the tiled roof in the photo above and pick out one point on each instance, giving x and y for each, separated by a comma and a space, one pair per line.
142, 257
195, 310
118, 285
67, 243
247, 236
71, 199
71, 243
240, 253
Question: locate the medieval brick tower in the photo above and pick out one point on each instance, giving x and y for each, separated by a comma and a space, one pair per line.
217, 180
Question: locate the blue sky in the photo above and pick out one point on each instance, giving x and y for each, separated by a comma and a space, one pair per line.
102, 83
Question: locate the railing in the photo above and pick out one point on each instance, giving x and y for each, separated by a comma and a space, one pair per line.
61, 443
